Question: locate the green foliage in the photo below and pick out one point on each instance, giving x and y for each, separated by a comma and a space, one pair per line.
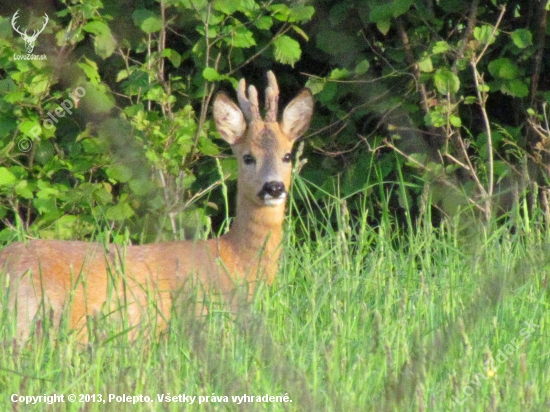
394, 81
420, 107
366, 318
446, 82
138, 140
434, 87
287, 50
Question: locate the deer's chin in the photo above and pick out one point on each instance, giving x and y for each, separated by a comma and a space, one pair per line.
274, 201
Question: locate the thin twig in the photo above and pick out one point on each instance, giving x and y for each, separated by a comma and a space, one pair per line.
502, 11
472, 20
482, 100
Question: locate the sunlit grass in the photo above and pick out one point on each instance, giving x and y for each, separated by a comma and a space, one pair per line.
361, 318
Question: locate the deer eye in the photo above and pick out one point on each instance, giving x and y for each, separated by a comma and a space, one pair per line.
249, 159
287, 158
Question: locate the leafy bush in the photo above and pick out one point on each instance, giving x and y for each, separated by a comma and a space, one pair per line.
447, 96
137, 139
443, 103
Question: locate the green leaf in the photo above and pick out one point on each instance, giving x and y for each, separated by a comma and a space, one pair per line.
516, 88
30, 128
102, 196
7, 178
401, 7
362, 67
300, 13
328, 93
435, 119
207, 147
173, 56
263, 23
97, 27
241, 37
98, 99
389, 10
280, 12
123, 74
425, 65
65, 227
441, 47
446, 81
14, 97
120, 173
23, 189
90, 70
455, 121
141, 187
226, 7
522, 38
337, 74
156, 93
104, 42
44, 152
211, 74
483, 34
383, 26
39, 84
315, 85
503, 69
45, 205
151, 25
133, 110
382, 12
147, 21
484, 88
302, 33
119, 212
287, 50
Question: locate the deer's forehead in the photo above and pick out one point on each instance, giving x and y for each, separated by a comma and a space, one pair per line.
267, 137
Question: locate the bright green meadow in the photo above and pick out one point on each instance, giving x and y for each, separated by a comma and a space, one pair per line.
385, 317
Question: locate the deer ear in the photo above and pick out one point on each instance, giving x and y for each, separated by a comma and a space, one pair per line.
229, 119
297, 115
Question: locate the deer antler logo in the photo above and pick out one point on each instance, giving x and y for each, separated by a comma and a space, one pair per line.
30, 41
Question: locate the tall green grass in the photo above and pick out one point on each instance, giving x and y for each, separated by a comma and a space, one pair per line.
362, 317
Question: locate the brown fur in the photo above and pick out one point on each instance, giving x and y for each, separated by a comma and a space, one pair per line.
89, 277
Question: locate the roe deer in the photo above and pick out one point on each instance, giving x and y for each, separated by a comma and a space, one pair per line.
49, 276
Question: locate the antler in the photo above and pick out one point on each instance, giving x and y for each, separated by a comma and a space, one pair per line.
36, 33
271, 98
15, 16
249, 106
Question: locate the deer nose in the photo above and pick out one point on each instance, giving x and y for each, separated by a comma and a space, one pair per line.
275, 189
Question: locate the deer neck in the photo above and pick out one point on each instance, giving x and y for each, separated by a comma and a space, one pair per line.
255, 239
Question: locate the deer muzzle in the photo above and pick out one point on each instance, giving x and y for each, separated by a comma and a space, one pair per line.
273, 193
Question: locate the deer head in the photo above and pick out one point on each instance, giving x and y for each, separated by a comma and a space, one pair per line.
262, 146
30, 41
